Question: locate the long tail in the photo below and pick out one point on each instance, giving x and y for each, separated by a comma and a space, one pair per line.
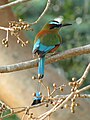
37, 98
41, 67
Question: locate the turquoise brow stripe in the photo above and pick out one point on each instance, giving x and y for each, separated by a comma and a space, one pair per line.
54, 23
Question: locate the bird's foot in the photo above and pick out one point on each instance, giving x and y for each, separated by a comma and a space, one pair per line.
52, 54
55, 53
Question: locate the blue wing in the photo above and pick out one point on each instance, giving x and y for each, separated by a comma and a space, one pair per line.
42, 48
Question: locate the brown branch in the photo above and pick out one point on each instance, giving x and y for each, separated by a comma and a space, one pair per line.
12, 3
33, 63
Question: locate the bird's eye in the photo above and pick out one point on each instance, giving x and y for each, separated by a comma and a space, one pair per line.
52, 26
55, 26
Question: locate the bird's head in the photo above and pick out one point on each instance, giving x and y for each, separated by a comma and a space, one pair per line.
55, 25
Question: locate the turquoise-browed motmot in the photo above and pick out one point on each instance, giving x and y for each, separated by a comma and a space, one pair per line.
47, 41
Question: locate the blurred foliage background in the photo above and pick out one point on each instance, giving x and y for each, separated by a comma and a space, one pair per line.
76, 12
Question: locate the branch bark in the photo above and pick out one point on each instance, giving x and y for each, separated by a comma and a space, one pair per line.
33, 63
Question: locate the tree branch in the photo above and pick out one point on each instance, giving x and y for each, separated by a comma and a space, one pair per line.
5, 28
33, 63
12, 3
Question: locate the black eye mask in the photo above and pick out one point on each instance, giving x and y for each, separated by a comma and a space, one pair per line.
56, 26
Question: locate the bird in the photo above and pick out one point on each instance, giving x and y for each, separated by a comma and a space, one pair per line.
47, 41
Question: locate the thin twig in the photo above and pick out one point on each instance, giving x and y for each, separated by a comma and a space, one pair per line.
54, 90
6, 29
33, 63
64, 96
43, 13
12, 3
58, 105
84, 95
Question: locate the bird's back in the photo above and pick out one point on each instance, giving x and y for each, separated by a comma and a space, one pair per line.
48, 38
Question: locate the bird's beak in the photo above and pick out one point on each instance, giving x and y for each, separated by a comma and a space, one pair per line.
60, 25
63, 25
